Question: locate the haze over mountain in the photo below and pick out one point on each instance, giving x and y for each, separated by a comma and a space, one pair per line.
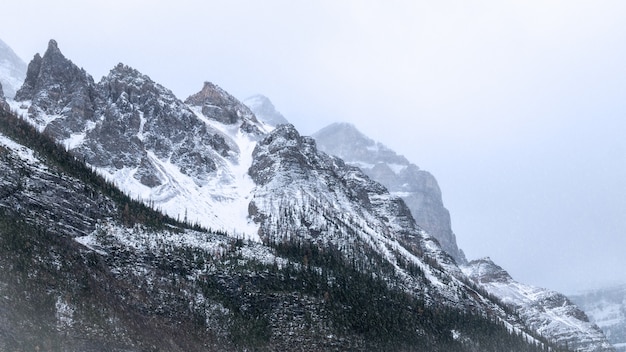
517, 108
420, 191
418, 188
119, 275
606, 308
12, 70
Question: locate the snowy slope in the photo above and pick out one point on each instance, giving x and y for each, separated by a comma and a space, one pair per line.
547, 312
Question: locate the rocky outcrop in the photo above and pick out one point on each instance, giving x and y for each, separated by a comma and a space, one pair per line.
140, 120
62, 94
418, 188
217, 104
307, 196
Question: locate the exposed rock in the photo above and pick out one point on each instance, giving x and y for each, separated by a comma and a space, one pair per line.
139, 117
59, 90
217, 104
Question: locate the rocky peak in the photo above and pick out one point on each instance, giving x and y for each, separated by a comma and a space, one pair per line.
264, 110
218, 105
139, 118
283, 149
126, 84
56, 86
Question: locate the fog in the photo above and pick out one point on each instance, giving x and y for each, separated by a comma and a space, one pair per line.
517, 108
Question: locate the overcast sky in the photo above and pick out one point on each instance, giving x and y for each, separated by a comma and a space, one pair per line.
517, 107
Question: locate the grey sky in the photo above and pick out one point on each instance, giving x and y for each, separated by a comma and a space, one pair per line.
517, 107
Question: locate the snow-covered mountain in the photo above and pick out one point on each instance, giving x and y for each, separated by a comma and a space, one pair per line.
418, 188
420, 192
547, 312
607, 309
187, 159
12, 70
210, 161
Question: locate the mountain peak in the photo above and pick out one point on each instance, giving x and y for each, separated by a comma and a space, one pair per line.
53, 45
218, 105
210, 92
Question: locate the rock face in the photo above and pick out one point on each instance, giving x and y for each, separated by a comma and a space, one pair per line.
140, 121
63, 96
418, 188
265, 110
220, 106
607, 309
12, 70
538, 307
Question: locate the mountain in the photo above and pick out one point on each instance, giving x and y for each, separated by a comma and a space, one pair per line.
539, 308
304, 251
12, 70
606, 308
140, 136
84, 267
548, 312
418, 188
265, 110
